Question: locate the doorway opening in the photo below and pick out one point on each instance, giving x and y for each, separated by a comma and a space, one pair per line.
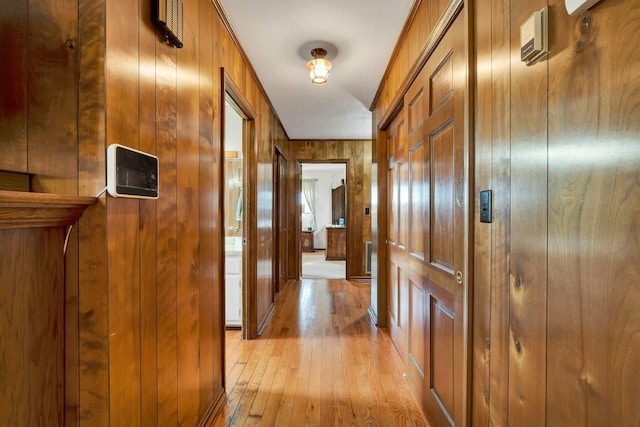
323, 220
234, 213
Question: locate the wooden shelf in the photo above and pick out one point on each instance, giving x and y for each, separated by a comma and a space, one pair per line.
30, 210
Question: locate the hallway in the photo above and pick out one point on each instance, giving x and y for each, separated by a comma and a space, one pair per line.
319, 362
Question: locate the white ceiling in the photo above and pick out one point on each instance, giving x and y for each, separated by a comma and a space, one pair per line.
359, 35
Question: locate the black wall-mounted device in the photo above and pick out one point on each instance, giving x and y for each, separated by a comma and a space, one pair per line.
131, 173
169, 17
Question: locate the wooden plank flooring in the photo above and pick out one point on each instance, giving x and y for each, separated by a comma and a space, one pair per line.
320, 362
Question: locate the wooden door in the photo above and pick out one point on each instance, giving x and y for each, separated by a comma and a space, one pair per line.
281, 215
428, 203
397, 269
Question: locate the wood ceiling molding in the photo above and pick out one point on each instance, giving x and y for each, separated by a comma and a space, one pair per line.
245, 58
396, 50
453, 9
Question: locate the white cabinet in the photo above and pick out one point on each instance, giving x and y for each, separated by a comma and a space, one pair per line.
233, 289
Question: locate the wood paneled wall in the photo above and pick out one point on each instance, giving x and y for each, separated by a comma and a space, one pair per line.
556, 272
358, 154
143, 299
555, 295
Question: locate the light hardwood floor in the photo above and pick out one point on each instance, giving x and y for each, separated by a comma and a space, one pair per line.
320, 362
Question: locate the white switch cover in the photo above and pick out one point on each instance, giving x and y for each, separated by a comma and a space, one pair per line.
575, 7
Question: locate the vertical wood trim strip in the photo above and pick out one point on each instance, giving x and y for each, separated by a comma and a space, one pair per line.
480, 391
500, 229
217, 214
93, 350
528, 263
13, 85
206, 267
188, 220
166, 118
148, 224
53, 95
123, 238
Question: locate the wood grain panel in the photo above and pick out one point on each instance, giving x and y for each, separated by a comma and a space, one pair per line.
422, 20
403, 309
593, 330
441, 357
188, 222
71, 328
13, 85
436, 10
496, 78
264, 219
481, 387
91, 380
124, 322
393, 208
528, 301
213, 228
148, 228
418, 336
52, 89
500, 228
211, 360
123, 223
394, 298
93, 351
403, 204
415, 113
442, 198
418, 203
440, 85
167, 327
31, 324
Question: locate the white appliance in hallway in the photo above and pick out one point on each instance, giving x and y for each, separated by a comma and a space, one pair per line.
233, 282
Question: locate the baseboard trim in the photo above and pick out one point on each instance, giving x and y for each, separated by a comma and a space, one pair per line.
265, 322
373, 316
214, 411
360, 279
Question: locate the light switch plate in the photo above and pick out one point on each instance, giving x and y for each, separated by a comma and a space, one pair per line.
485, 206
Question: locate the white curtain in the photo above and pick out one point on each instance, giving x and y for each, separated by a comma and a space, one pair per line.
309, 191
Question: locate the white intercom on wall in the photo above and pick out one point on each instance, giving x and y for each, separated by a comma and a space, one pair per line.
131, 173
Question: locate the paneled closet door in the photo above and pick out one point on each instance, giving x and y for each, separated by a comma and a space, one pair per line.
436, 253
397, 231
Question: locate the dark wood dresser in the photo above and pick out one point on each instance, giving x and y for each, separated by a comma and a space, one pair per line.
336, 243
306, 241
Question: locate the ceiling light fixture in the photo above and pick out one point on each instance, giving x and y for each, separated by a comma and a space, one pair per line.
318, 67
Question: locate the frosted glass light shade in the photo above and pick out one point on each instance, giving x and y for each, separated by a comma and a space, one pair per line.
319, 67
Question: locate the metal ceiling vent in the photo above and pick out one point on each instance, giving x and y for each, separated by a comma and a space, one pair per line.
170, 21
